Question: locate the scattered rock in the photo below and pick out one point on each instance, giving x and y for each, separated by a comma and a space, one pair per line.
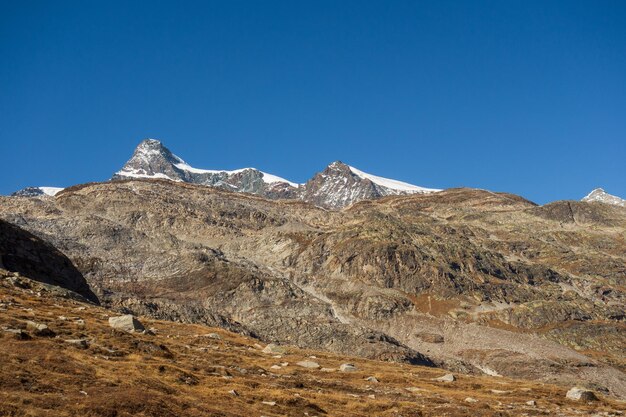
270, 403
347, 367
127, 323
531, 402
18, 334
470, 400
79, 343
328, 369
274, 349
581, 394
499, 391
276, 367
371, 379
233, 393
445, 378
430, 337
308, 364
39, 329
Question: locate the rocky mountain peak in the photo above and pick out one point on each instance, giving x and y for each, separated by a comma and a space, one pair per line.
151, 159
340, 185
601, 196
337, 166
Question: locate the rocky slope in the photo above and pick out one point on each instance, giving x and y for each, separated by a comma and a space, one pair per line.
339, 185
475, 281
62, 357
26, 254
601, 196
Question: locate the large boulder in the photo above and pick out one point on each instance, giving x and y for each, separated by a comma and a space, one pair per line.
127, 323
581, 394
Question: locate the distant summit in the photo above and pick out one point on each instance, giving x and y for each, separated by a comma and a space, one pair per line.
37, 191
339, 185
601, 196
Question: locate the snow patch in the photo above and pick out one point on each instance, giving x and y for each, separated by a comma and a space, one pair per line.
51, 191
392, 184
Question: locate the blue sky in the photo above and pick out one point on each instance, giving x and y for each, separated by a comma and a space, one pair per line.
527, 96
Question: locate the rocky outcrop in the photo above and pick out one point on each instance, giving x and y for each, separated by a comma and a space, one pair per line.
25, 253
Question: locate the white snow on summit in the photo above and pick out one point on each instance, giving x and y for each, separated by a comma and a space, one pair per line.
392, 184
147, 150
601, 196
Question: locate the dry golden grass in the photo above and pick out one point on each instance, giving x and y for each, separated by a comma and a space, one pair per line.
180, 372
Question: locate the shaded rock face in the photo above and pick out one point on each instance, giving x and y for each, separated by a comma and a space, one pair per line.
23, 252
461, 278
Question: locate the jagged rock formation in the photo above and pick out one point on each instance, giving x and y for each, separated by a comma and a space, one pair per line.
601, 196
507, 287
339, 185
153, 160
21, 251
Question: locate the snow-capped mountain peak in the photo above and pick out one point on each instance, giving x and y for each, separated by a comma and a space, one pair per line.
337, 186
599, 195
340, 185
152, 159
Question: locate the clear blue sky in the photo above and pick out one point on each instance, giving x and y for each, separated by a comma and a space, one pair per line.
521, 96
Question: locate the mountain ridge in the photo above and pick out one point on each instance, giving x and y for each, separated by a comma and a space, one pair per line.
337, 186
